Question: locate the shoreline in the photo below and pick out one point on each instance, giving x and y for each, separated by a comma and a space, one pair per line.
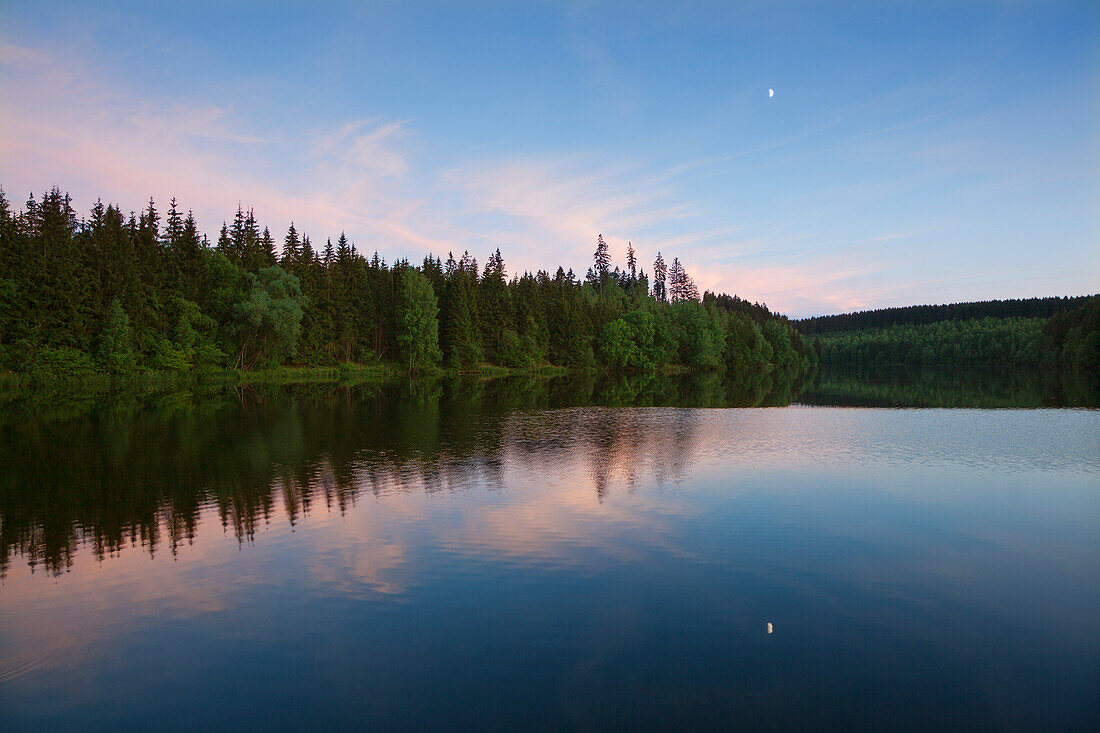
340, 374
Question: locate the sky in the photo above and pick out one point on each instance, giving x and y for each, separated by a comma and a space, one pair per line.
912, 153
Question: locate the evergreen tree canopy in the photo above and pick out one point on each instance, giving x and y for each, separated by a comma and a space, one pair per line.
602, 259
118, 293
659, 274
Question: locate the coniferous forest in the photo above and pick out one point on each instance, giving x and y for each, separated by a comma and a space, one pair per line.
109, 292
922, 315
1047, 333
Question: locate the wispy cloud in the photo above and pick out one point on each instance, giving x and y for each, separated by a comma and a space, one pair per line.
819, 216
543, 204
62, 124
360, 176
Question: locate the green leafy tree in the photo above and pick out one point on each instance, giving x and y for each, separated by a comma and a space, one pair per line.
699, 334
417, 324
745, 348
779, 336
268, 320
116, 348
618, 346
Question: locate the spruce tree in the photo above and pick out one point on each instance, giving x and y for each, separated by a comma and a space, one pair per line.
173, 226
188, 253
225, 242
291, 248
602, 259
461, 337
267, 248
494, 308
343, 249
237, 236
676, 281
659, 274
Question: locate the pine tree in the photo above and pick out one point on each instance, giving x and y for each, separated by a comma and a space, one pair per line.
659, 274
225, 242
494, 308
147, 244
11, 282
602, 259
681, 286
461, 336
675, 280
690, 291
631, 261
267, 247
238, 235
188, 253
291, 248
343, 249
307, 255
152, 219
173, 228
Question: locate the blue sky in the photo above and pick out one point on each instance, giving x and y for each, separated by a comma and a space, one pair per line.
912, 153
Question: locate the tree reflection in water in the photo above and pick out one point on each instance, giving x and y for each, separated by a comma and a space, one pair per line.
107, 471
110, 471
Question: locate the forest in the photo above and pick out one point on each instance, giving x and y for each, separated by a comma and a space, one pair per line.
920, 315
117, 294
1069, 339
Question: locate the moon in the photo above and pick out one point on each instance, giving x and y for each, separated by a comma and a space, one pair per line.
771, 93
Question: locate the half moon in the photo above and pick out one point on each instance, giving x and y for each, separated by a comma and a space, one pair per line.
771, 93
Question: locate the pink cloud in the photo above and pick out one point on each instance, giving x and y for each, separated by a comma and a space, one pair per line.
62, 124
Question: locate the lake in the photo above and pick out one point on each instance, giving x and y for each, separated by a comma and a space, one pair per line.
644, 552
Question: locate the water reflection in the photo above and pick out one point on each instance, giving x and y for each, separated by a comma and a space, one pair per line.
505, 554
112, 471
949, 387
140, 472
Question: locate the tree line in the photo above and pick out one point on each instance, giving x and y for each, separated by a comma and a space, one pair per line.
1069, 340
918, 315
120, 293
1072, 337
985, 342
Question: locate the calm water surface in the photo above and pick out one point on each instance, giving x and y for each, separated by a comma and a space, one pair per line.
505, 558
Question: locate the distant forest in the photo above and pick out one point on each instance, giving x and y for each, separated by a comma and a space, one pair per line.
119, 294
919, 315
1052, 333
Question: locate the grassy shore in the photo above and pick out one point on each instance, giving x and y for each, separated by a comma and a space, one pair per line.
342, 373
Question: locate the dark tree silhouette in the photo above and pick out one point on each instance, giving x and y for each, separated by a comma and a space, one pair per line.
602, 259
